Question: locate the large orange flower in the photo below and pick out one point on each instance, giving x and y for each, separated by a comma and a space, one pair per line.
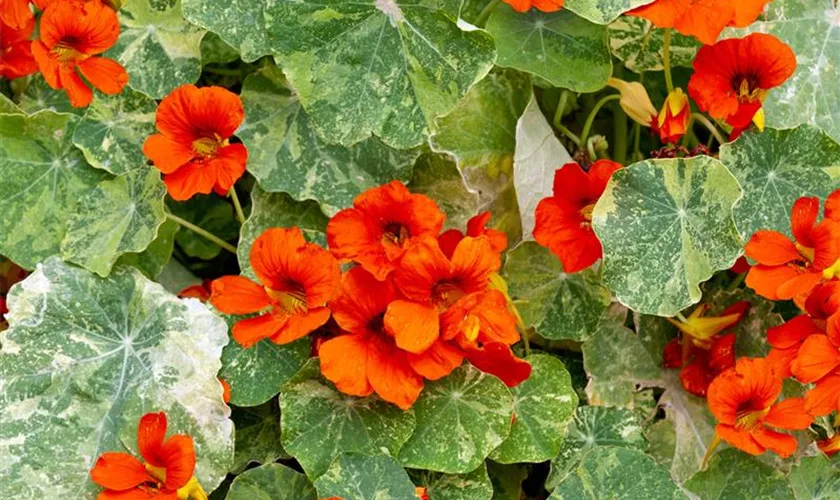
743, 400
564, 221
16, 58
543, 5
702, 19
72, 35
192, 147
732, 78
381, 225
297, 279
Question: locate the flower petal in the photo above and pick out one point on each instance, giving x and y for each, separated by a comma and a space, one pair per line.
119, 471
179, 455
301, 325
391, 375
437, 361
150, 434
344, 363
167, 155
238, 295
771, 248
248, 332
789, 414
414, 326
105, 74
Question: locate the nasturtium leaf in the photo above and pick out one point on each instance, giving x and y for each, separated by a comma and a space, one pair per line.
639, 44
213, 48
734, 474
437, 176
154, 258
240, 23
319, 422
384, 68
666, 226
119, 216
564, 49
461, 418
595, 426
815, 478
8, 107
39, 96
286, 155
112, 131
543, 405
774, 168
278, 210
471, 486
159, 49
271, 481
609, 471
257, 435
44, 176
359, 477
507, 480
211, 213
603, 11
558, 305
85, 357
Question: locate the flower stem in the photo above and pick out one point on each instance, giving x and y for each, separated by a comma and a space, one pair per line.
709, 125
587, 127
197, 230
736, 282
666, 59
240, 215
619, 135
488, 9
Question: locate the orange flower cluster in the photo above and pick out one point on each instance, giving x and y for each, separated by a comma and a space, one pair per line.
415, 304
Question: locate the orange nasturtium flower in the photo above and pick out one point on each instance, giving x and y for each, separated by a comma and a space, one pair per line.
672, 122
476, 226
791, 269
785, 341
16, 14
543, 5
702, 19
165, 474
743, 400
732, 78
296, 280
830, 446
192, 148
72, 35
564, 221
16, 58
381, 225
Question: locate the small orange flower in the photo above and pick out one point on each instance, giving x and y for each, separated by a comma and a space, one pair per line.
702, 19
16, 58
382, 224
732, 78
564, 221
476, 226
672, 122
543, 5
193, 148
72, 35
297, 279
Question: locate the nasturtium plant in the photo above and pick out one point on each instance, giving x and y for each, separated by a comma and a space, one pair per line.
258, 436
271, 481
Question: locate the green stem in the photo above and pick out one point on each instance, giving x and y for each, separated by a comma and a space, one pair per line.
709, 125
201, 232
736, 282
240, 215
619, 135
587, 126
527, 343
666, 59
558, 118
637, 142
488, 9
568, 133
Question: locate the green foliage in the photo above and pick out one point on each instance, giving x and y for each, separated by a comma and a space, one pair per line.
753, 478
357, 477
273, 481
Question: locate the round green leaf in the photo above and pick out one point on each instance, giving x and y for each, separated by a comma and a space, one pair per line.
7, 106
815, 478
381, 67
39, 96
472, 486
639, 44
603, 11
357, 477
44, 177
213, 48
85, 357
734, 474
238, 22
273, 481
568, 51
286, 155
543, 406
319, 422
775, 168
666, 226
154, 258
437, 176
257, 436
461, 418
211, 213
112, 131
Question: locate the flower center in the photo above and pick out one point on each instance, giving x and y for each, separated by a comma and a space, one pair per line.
806, 253
159, 473
291, 301
586, 212
749, 89
377, 323
395, 233
748, 418
207, 146
832, 272
66, 51
445, 293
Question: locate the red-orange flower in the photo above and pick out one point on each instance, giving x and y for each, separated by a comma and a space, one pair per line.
743, 400
672, 122
476, 226
543, 5
193, 146
830, 446
785, 341
72, 35
496, 358
732, 77
381, 225
16, 14
702, 19
166, 474
16, 58
297, 279
564, 221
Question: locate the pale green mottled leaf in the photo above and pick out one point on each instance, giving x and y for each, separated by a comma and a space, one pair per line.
286, 155
154, 258
211, 213
319, 422
119, 216
386, 68
85, 358
238, 22
564, 49
613, 472
437, 176
213, 48
558, 305
472, 486
271, 481
815, 478
39, 96
158, 48
639, 44
666, 226
543, 405
112, 131
603, 11
7, 106
775, 168
357, 477
461, 418
257, 436
733, 474
44, 177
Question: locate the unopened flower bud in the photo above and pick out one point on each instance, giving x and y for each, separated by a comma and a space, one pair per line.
635, 101
674, 117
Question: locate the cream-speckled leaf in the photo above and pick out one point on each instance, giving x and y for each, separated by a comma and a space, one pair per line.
286, 155
775, 168
383, 67
603, 11
461, 418
113, 129
39, 96
271, 481
44, 176
159, 49
84, 358
543, 405
211, 213
815, 478
119, 216
734, 474
666, 226
258, 436
437, 176
154, 258
319, 422
238, 22
358, 477
472, 486
558, 305
639, 44
564, 49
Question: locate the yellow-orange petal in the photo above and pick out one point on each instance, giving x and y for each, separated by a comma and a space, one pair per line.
344, 362
414, 326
